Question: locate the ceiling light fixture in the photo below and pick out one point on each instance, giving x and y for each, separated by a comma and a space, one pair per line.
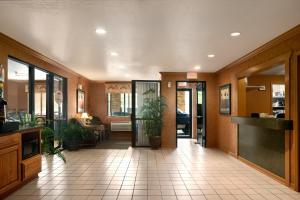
122, 67
235, 34
100, 31
211, 55
197, 67
127, 75
115, 54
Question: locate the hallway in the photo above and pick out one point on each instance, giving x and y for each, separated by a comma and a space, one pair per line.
188, 172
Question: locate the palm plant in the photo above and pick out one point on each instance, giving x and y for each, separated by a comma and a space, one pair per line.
47, 144
152, 114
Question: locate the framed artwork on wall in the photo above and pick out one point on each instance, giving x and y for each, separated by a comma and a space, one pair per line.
225, 99
80, 101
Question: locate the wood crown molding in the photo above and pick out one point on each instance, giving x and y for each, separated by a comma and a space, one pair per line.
265, 65
283, 37
14, 43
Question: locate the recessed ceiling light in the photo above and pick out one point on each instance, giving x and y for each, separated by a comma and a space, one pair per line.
100, 31
197, 67
235, 34
114, 54
127, 75
211, 55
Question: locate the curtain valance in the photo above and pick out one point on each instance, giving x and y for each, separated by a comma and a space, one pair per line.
118, 87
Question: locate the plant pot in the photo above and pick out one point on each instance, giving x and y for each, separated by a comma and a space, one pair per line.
72, 145
155, 142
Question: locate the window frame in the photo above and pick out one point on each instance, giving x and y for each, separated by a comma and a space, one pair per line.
122, 96
49, 90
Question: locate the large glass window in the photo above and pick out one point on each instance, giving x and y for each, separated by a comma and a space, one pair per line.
32, 91
119, 104
17, 90
58, 97
40, 99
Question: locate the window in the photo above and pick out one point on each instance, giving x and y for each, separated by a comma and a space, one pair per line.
34, 92
17, 90
40, 81
58, 97
119, 104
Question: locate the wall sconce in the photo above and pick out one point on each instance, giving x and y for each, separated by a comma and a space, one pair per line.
169, 84
79, 86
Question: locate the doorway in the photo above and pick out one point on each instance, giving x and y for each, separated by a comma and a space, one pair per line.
191, 111
184, 113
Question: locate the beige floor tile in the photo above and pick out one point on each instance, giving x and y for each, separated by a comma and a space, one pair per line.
110, 197
227, 197
186, 173
94, 198
137, 192
182, 192
213, 197
195, 192
198, 197
136, 197
111, 192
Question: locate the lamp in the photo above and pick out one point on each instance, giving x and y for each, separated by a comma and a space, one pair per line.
84, 116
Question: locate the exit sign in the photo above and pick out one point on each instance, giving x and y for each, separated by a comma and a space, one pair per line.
192, 75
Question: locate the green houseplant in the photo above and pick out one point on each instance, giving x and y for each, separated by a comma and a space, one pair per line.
152, 117
72, 135
47, 136
88, 137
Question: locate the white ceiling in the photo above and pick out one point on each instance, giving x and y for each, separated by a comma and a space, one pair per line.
149, 35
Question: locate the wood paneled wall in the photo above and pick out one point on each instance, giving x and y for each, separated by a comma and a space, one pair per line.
288, 46
263, 99
10, 47
169, 129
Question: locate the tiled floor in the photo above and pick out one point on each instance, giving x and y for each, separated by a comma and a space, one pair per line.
186, 173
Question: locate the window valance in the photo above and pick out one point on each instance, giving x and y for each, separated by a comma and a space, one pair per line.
118, 87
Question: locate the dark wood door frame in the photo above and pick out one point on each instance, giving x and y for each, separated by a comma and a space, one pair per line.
190, 110
203, 104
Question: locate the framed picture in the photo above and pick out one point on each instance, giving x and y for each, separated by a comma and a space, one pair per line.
225, 99
80, 101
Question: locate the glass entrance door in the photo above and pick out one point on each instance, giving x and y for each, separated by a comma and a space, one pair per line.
140, 91
184, 113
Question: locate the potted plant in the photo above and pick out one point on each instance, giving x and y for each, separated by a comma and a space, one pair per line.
47, 147
88, 137
72, 136
152, 117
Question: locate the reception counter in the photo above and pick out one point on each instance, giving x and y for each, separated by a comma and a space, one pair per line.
261, 141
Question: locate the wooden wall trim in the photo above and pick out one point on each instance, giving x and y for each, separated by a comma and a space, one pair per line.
264, 171
265, 65
296, 63
13, 43
276, 41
